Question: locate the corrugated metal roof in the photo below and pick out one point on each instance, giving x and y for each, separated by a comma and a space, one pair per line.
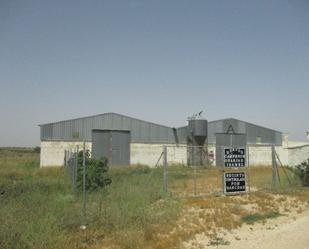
102, 114
81, 128
148, 132
244, 122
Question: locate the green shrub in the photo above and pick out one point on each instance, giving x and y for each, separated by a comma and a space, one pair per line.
302, 170
37, 149
96, 171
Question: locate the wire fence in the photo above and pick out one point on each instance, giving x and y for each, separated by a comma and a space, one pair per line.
196, 171
71, 165
225, 170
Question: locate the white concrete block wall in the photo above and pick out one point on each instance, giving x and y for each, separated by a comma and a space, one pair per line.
149, 154
298, 154
260, 156
283, 154
177, 154
52, 152
290, 156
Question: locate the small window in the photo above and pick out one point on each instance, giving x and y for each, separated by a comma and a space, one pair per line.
258, 139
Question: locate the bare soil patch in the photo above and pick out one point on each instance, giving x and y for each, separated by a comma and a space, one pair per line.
289, 230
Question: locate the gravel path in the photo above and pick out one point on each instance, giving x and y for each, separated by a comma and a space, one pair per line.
280, 233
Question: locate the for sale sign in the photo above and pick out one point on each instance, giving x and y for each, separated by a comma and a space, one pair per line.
234, 182
234, 157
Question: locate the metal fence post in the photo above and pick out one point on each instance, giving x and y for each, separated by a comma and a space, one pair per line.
194, 172
75, 169
65, 158
248, 167
70, 165
84, 183
222, 169
274, 167
164, 169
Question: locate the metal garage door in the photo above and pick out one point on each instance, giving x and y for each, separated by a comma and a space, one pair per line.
114, 145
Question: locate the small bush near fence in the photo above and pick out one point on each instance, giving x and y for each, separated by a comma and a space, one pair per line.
303, 172
96, 172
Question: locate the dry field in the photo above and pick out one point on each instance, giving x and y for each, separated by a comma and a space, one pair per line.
39, 209
187, 182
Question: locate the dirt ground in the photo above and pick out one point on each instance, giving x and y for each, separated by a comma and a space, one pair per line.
285, 232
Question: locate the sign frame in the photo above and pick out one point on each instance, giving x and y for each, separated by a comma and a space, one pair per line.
237, 192
235, 160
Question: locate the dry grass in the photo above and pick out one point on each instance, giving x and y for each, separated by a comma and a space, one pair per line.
183, 181
216, 214
186, 182
133, 214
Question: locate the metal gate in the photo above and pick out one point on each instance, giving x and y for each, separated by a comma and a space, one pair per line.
112, 144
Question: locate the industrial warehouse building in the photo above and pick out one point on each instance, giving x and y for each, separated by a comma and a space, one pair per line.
128, 141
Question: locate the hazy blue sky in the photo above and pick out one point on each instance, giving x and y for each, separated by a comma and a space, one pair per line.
156, 60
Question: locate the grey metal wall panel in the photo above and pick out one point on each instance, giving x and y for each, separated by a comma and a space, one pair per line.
147, 132
68, 129
241, 127
97, 122
144, 129
211, 132
120, 148
213, 128
154, 130
228, 123
101, 144
141, 131
278, 137
268, 136
182, 133
228, 140
113, 145
47, 131
136, 131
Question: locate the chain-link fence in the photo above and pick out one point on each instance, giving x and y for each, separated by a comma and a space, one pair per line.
191, 171
71, 165
224, 170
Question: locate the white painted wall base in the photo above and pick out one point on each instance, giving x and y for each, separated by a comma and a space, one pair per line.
52, 152
298, 154
291, 154
149, 154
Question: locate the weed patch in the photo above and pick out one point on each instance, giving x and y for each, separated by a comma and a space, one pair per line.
218, 241
252, 218
39, 210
